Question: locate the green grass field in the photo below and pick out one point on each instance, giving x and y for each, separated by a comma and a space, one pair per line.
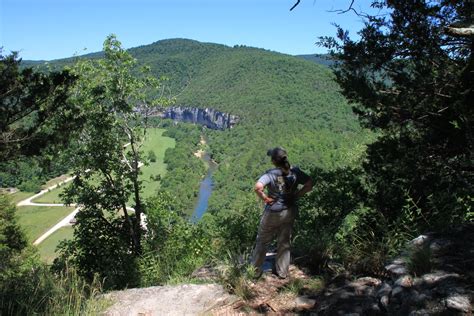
52, 196
158, 143
48, 246
54, 181
20, 196
36, 220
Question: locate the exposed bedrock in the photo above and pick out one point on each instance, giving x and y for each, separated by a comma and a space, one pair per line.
208, 117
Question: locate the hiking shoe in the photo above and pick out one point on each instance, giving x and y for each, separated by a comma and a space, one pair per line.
281, 277
275, 276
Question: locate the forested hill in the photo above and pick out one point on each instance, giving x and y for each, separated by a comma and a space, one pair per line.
281, 99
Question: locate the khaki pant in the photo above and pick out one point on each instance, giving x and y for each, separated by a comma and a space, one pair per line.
271, 224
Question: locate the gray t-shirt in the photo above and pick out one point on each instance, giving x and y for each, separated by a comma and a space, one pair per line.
282, 188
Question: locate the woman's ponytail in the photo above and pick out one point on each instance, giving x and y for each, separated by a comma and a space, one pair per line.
286, 163
280, 158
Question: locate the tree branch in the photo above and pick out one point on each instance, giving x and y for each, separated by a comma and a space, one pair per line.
295, 5
346, 10
350, 8
466, 31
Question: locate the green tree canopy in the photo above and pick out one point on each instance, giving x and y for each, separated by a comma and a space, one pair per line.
34, 108
411, 78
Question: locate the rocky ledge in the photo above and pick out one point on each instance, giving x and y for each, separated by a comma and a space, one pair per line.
434, 276
186, 299
445, 287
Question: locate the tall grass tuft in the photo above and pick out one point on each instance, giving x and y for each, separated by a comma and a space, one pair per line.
236, 274
72, 295
38, 291
420, 260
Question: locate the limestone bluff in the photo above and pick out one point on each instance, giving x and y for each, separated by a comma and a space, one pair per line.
208, 117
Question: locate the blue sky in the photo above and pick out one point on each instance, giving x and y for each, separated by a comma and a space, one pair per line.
51, 29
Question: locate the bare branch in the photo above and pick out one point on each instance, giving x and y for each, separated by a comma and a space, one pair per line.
347, 10
465, 31
392, 91
351, 8
127, 162
8, 137
294, 6
442, 95
4, 95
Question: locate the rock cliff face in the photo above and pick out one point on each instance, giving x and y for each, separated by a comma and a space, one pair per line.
207, 117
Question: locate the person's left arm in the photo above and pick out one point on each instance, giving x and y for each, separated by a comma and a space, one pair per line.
307, 186
304, 179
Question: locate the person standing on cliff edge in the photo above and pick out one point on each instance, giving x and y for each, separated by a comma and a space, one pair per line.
280, 209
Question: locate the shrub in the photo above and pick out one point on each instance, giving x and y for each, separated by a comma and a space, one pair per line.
363, 248
420, 260
173, 246
235, 232
32, 185
151, 156
100, 248
235, 275
27, 286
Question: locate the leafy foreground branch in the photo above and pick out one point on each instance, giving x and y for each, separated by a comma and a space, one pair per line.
115, 99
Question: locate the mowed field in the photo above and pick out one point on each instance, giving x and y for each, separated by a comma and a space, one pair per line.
47, 248
157, 143
36, 220
52, 196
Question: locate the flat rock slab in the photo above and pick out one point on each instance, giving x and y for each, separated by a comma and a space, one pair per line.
305, 302
187, 299
460, 303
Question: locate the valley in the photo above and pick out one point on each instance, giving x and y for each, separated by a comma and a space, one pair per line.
268, 99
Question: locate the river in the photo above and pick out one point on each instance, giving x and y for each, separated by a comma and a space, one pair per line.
206, 186
213, 119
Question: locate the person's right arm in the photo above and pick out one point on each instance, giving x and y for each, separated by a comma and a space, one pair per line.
259, 187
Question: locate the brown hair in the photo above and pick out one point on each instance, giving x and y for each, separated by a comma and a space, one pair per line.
279, 157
